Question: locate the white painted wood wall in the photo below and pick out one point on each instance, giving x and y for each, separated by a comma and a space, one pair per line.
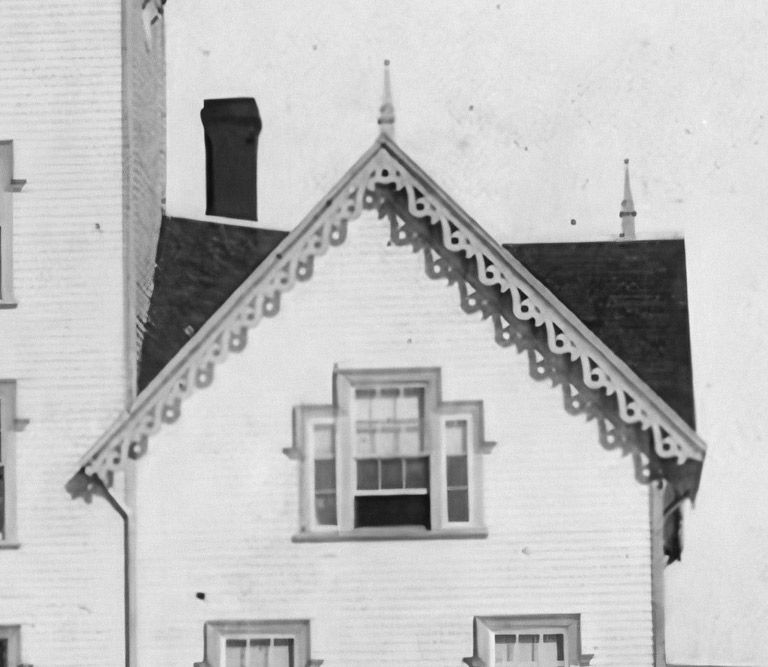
218, 500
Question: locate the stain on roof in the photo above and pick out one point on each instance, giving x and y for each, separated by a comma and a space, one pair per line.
633, 296
198, 266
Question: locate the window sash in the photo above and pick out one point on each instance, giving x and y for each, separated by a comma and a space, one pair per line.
258, 651
389, 420
530, 648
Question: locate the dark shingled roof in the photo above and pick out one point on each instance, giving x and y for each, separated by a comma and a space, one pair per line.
633, 296
199, 265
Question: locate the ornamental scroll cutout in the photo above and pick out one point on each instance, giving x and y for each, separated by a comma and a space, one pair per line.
293, 262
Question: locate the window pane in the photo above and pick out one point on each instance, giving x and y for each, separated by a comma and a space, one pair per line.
386, 442
417, 473
457, 471
383, 405
410, 440
282, 653
235, 653
259, 653
505, 645
410, 404
324, 441
410, 510
456, 437
365, 441
325, 475
551, 651
458, 505
3, 652
325, 509
392, 474
367, 475
364, 398
528, 647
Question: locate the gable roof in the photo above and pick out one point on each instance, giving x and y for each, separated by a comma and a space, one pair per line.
386, 167
633, 296
198, 266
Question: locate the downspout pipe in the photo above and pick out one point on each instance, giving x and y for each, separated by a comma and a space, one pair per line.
126, 565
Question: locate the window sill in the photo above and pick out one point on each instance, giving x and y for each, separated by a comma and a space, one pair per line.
8, 304
9, 545
398, 533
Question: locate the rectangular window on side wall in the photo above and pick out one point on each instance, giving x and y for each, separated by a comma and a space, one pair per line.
527, 641
8, 186
7, 463
257, 644
232, 128
10, 648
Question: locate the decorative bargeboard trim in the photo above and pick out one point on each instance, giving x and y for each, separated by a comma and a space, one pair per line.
385, 165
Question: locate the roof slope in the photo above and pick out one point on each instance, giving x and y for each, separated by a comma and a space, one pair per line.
198, 266
633, 296
516, 301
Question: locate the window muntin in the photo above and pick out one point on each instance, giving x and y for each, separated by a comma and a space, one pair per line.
395, 455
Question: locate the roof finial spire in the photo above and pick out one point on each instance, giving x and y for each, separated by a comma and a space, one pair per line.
628, 212
387, 110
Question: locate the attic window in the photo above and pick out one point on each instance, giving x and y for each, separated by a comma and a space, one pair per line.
232, 128
390, 460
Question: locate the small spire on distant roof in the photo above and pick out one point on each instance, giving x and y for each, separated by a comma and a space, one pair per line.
628, 212
387, 110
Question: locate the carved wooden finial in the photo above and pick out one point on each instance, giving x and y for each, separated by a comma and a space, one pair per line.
387, 110
628, 212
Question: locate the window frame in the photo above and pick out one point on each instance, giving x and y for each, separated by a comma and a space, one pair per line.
437, 413
8, 426
216, 634
8, 186
12, 635
487, 627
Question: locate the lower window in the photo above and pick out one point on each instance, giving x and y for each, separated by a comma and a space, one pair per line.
256, 644
527, 641
259, 652
10, 653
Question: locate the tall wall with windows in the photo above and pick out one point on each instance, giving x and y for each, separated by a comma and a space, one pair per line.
62, 327
370, 401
